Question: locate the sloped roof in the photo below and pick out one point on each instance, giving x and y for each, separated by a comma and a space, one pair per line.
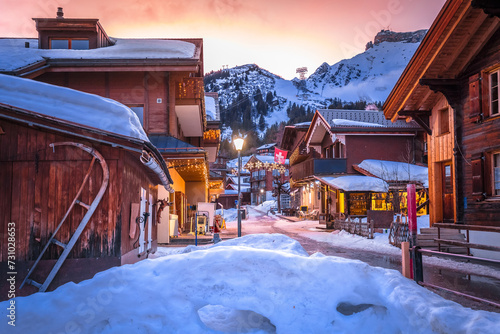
362, 119
266, 146
15, 56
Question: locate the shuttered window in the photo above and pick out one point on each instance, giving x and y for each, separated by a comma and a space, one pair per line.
496, 174
475, 97
494, 101
477, 177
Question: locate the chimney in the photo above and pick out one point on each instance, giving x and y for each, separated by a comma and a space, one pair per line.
60, 14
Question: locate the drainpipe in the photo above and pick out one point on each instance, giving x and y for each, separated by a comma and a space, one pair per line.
152, 164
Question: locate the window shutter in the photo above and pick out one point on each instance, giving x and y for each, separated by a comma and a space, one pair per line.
478, 178
475, 97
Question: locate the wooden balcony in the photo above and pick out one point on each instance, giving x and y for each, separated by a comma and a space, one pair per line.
189, 89
312, 167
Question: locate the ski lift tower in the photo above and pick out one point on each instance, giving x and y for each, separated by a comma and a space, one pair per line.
302, 71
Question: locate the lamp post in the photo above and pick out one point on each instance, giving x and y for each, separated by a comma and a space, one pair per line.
238, 144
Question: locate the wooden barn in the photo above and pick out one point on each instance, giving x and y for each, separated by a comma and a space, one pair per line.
78, 180
450, 87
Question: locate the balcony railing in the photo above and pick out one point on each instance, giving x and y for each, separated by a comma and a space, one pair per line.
312, 167
190, 88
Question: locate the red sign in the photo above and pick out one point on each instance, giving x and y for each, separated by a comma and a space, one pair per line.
280, 156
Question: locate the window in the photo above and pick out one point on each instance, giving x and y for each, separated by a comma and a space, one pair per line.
494, 105
444, 121
139, 111
68, 43
496, 174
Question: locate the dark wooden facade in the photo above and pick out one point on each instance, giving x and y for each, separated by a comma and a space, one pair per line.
447, 87
38, 184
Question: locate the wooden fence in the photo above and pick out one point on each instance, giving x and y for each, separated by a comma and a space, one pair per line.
355, 226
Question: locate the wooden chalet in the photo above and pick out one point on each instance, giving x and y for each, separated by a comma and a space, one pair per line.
161, 80
450, 87
263, 171
59, 178
334, 143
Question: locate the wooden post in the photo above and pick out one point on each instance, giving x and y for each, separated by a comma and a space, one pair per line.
412, 213
405, 259
412, 219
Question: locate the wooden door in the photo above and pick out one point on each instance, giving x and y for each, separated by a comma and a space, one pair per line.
448, 198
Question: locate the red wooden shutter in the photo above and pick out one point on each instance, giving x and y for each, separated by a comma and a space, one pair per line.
475, 97
478, 178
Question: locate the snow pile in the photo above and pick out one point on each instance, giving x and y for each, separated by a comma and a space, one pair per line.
238, 289
70, 105
277, 242
14, 55
357, 183
396, 171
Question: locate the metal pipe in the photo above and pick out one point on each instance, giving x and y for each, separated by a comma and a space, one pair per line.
461, 294
151, 163
239, 194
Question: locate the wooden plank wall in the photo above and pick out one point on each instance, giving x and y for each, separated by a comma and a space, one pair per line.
131, 182
40, 185
481, 138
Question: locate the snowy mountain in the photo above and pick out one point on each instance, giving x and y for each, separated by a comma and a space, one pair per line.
368, 76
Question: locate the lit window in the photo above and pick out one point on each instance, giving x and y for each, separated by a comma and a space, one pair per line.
494, 93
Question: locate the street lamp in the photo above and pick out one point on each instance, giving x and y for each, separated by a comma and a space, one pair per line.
238, 145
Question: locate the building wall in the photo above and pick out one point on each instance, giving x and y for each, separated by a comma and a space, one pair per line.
481, 139
383, 147
147, 89
440, 151
38, 185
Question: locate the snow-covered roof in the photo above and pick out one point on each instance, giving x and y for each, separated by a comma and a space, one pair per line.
362, 118
14, 54
356, 183
70, 105
396, 171
345, 122
266, 146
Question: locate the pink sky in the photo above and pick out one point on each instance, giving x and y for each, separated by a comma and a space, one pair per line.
278, 35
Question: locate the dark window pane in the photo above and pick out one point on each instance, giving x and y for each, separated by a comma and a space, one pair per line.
59, 44
80, 44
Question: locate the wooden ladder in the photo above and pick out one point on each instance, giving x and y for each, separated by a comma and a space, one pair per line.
42, 287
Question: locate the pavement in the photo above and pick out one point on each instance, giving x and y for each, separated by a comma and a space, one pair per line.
260, 222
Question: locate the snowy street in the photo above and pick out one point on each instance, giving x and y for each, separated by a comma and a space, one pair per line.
263, 282
379, 253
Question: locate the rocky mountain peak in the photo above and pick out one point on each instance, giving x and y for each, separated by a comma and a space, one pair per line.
392, 36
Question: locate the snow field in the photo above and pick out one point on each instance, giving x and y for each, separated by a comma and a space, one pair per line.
242, 289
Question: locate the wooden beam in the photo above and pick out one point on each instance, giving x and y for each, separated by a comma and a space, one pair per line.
490, 7
450, 88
